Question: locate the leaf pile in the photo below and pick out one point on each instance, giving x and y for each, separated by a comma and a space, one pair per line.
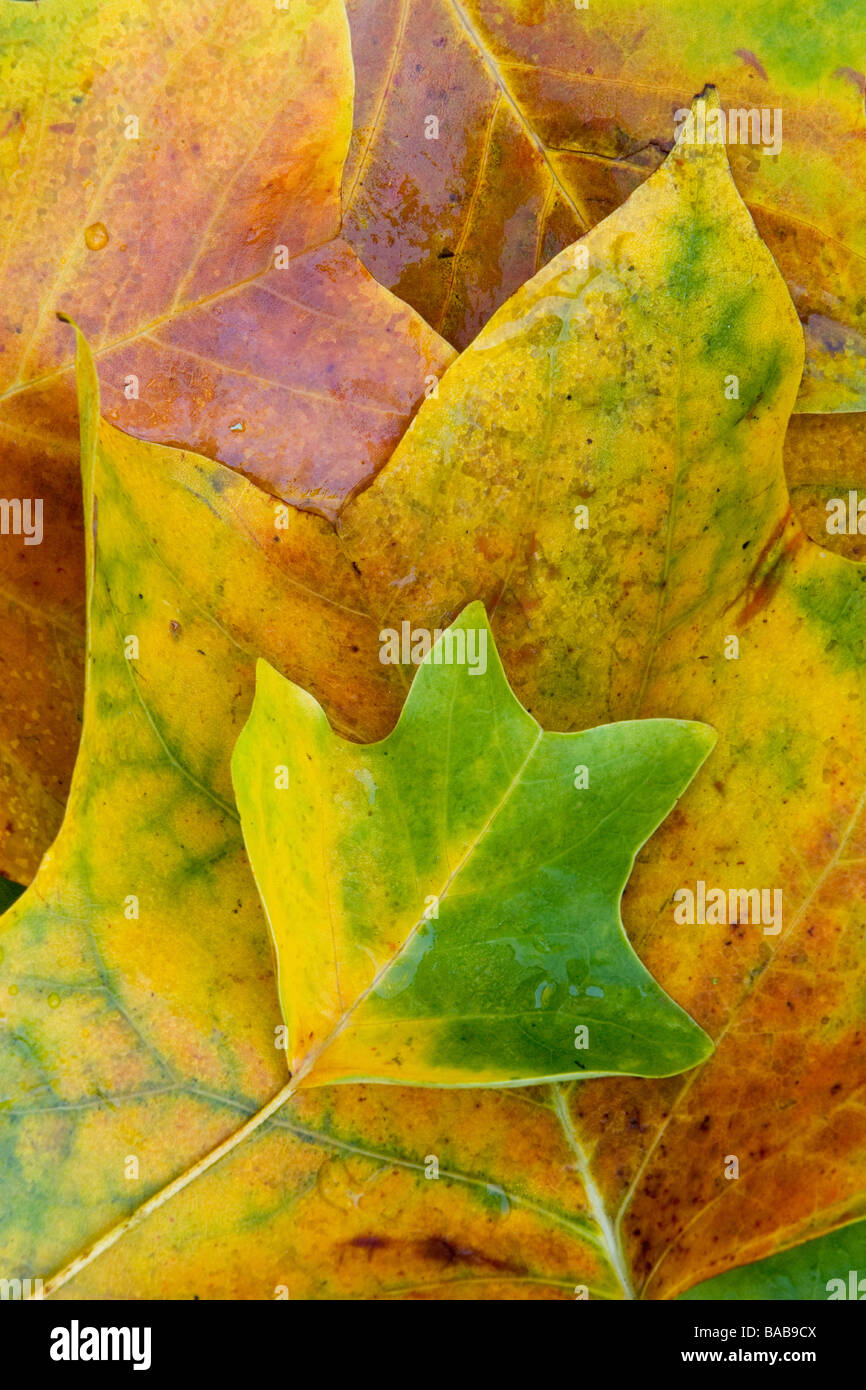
585, 470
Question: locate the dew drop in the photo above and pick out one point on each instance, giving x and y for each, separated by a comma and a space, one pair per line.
13, 989
543, 994
96, 236
53, 1001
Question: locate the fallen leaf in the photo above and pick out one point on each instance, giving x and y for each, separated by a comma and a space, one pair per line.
549, 115
457, 923
186, 213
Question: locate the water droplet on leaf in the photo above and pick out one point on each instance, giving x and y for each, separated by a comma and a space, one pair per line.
96, 236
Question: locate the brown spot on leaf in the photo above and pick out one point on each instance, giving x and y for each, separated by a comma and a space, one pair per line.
852, 75
751, 61
444, 1252
370, 1242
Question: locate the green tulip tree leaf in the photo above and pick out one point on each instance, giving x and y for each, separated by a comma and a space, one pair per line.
444, 904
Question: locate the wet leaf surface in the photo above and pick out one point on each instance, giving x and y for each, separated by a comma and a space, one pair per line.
621, 1185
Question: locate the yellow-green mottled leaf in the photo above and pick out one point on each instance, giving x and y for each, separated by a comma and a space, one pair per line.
549, 115
662, 348
444, 904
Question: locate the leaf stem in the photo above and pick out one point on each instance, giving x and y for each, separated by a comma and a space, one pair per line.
610, 1235
112, 1236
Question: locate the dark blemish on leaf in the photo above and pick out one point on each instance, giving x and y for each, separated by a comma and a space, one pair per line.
751, 61
174, 628
704, 1124
445, 255
852, 75
767, 572
444, 1252
370, 1242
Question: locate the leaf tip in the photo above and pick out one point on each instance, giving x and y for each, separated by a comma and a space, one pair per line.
705, 735
709, 94
473, 615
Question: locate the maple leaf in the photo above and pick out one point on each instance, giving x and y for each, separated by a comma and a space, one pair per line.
187, 215
444, 904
